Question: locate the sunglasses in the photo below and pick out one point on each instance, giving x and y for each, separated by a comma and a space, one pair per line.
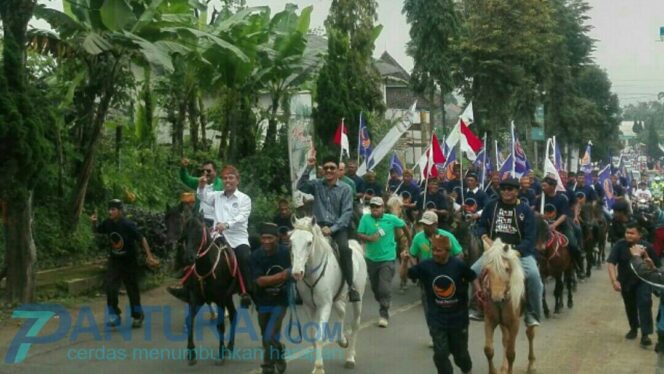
329, 167
206, 171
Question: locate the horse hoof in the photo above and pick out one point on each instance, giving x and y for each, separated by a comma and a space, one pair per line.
349, 365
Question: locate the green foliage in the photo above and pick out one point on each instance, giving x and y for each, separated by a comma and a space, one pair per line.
348, 82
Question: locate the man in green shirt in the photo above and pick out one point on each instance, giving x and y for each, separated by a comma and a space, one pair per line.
421, 245
214, 183
377, 230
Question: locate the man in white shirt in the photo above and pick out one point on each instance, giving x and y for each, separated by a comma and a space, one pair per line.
642, 192
231, 218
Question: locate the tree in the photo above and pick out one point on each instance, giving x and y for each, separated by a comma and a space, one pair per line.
434, 33
652, 143
348, 81
24, 118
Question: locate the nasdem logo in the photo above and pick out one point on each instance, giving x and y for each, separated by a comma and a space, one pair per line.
36, 316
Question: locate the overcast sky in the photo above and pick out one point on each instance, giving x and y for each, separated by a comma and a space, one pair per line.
627, 34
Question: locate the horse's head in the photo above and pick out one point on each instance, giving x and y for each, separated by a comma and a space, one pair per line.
175, 218
504, 275
302, 243
542, 233
196, 236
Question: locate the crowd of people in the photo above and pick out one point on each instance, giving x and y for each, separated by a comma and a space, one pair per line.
504, 208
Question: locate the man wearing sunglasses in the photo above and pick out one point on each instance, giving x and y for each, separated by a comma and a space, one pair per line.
333, 209
513, 222
214, 183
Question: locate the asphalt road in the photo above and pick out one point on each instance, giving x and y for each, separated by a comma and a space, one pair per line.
585, 339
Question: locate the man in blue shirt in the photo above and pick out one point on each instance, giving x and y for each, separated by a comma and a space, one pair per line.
588, 192
475, 192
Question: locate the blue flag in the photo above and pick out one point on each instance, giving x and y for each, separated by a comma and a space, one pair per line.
521, 164
395, 164
604, 178
506, 168
364, 148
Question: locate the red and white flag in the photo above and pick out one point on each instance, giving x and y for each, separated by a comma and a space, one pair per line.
434, 157
341, 139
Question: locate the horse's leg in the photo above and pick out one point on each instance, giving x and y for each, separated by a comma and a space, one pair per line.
340, 310
355, 329
322, 317
489, 328
589, 258
558, 294
190, 318
213, 313
530, 333
568, 282
232, 315
221, 330
544, 305
509, 343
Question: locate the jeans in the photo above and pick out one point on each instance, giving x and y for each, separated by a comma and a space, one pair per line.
534, 285
638, 307
450, 341
380, 275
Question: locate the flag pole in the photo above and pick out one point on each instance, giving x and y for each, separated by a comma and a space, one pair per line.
359, 137
341, 152
546, 157
427, 173
484, 162
513, 152
461, 166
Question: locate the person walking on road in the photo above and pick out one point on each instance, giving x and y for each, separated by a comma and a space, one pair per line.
445, 281
635, 293
645, 269
377, 229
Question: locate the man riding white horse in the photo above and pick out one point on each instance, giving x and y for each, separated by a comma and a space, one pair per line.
333, 210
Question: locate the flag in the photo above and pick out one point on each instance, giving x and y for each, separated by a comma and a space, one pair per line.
585, 162
341, 139
558, 157
483, 163
506, 168
364, 141
450, 161
434, 156
470, 143
521, 164
550, 170
395, 164
604, 178
467, 116
388, 142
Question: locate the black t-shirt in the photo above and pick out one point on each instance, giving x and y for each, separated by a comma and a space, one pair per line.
505, 225
263, 264
436, 200
446, 288
559, 202
283, 221
123, 236
620, 256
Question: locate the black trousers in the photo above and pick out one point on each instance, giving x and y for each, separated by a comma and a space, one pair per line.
450, 341
243, 254
118, 272
270, 319
345, 255
638, 307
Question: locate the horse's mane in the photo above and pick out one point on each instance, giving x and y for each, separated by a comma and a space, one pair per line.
308, 224
493, 259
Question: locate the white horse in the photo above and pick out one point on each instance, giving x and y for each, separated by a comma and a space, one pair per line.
322, 287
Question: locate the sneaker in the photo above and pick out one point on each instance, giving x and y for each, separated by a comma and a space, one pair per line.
353, 295
530, 322
476, 315
179, 293
631, 335
137, 322
382, 322
645, 341
114, 321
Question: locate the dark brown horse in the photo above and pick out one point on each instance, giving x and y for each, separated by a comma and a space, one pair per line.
554, 261
208, 278
589, 231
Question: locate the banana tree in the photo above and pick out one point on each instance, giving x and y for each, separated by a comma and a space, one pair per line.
105, 37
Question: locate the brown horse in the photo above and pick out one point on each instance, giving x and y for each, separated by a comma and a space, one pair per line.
555, 261
602, 228
503, 291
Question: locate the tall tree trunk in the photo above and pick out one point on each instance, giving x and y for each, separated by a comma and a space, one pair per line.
181, 118
21, 256
86, 170
203, 121
271, 134
192, 109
